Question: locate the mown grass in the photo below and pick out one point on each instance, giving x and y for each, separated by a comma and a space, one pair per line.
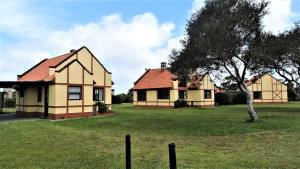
8, 110
204, 138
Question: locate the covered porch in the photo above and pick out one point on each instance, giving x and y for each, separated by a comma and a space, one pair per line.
31, 97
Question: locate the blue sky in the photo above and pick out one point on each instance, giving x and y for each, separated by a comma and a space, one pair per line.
127, 36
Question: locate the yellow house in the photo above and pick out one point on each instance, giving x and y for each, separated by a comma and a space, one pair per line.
160, 88
267, 89
65, 86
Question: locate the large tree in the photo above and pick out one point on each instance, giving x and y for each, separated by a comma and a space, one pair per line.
218, 38
281, 54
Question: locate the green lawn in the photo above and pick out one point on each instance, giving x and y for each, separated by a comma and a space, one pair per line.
8, 110
204, 138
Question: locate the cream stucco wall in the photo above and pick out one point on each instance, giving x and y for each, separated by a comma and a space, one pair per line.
195, 97
272, 90
29, 102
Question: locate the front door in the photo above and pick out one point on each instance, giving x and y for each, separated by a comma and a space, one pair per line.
46, 102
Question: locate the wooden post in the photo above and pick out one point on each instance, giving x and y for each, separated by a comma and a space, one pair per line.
172, 156
128, 152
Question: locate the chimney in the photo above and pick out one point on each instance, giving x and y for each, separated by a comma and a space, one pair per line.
163, 65
72, 50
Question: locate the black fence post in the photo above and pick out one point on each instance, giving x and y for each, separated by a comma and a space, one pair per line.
128, 152
172, 156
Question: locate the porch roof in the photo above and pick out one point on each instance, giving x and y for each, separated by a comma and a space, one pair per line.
13, 84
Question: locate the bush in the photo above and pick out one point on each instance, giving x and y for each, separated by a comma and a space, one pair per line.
102, 108
11, 103
292, 96
222, 98
228, 98
239, 98
116, 99
180, 103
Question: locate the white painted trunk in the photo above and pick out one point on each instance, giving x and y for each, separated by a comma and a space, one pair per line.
251, 111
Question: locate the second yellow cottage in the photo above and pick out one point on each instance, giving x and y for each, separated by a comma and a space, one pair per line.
160, 88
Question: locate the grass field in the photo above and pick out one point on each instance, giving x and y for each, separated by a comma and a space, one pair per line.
204, 138
8, 110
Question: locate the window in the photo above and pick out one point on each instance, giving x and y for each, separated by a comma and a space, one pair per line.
21, 93
163, 94
98, 94
39, 94
141, 95
207, 94
74, 92
256, 95
182, 94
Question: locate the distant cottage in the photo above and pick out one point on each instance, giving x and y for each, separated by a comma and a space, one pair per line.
267, 89
160, 88
65, 86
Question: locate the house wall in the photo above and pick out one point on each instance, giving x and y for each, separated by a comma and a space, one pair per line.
81, 70
152, 100
196, 97
29, 103
273, 91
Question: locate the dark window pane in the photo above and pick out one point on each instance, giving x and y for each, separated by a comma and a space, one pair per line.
257, 95
21, 93
98, 94
182, 94
74, 93
39, 94
163, 94
207, 94
141, 95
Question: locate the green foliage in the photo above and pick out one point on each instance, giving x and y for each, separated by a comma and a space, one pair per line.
291, 95
230, 98
222, 98
280, 54
180, 103
239, 98
102, 108
10, 103
116, 99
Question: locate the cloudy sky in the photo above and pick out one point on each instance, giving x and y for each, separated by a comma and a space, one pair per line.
126, 36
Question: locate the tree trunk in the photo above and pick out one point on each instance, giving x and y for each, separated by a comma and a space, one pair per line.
251, 111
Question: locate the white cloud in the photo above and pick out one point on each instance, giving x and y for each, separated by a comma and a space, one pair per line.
279, 17
126, 48
197, 4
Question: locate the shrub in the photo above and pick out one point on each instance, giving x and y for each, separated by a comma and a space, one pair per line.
222, 98
102, 108
116, 99
239, 98
11, 103
180, 103
232, 97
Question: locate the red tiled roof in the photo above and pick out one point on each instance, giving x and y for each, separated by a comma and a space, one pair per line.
253, 79
40, 72
154, 79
